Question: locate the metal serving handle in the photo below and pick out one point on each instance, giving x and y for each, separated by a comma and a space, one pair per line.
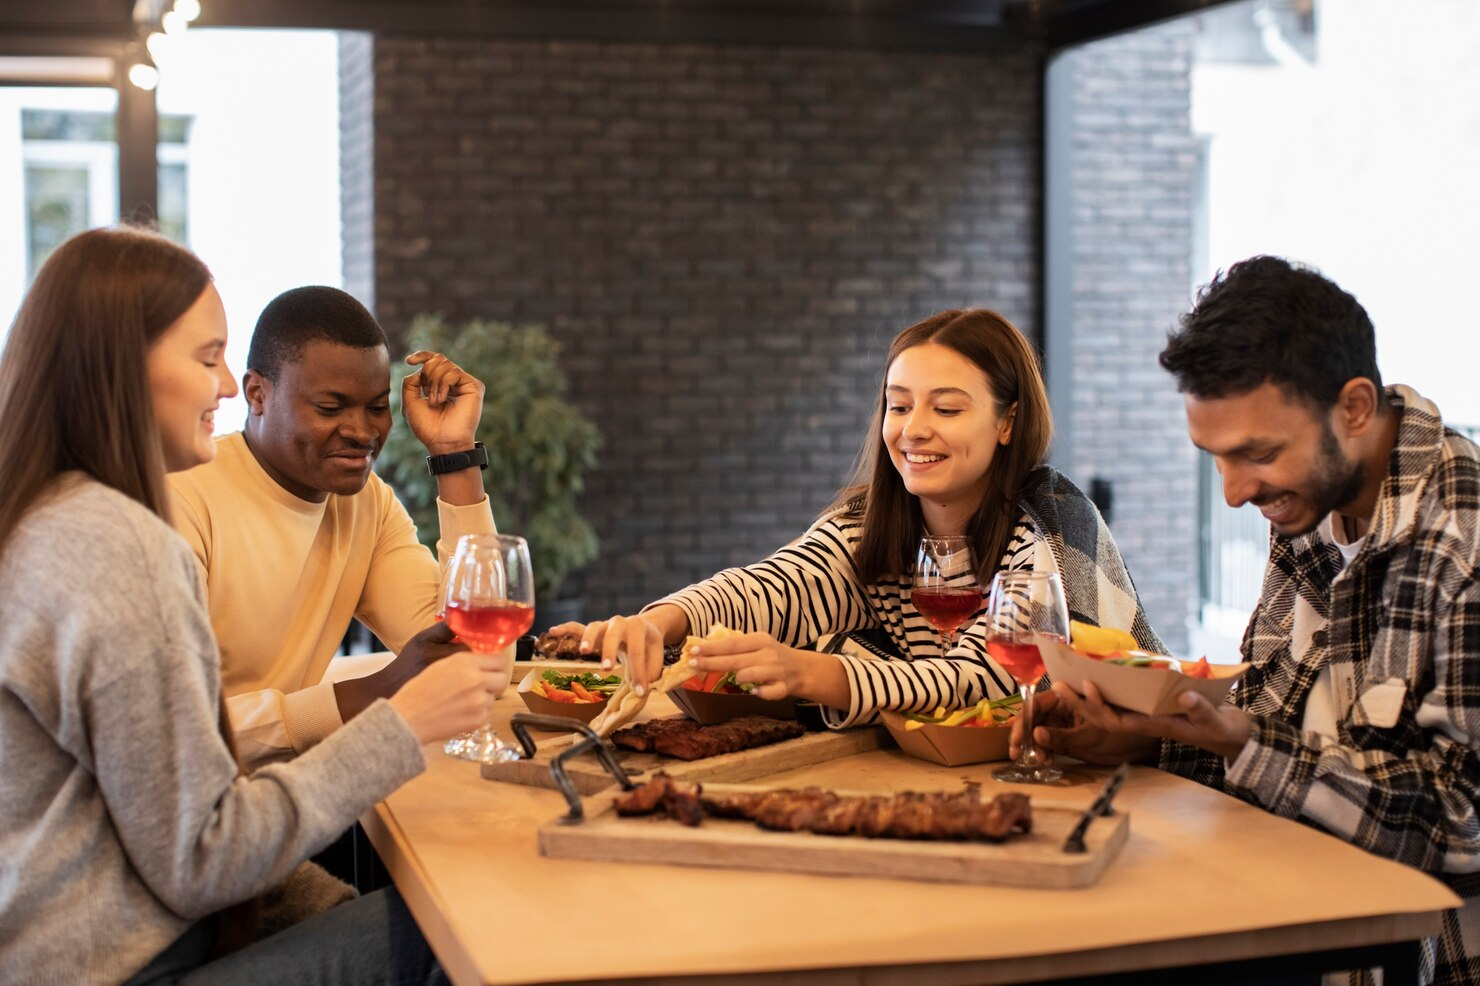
521, 722
1101, 806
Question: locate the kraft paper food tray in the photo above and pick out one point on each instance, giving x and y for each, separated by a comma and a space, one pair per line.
712, 708
585, 712
953, 746
1144, 690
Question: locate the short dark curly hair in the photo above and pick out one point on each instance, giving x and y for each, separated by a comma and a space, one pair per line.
1266, 320
302, 315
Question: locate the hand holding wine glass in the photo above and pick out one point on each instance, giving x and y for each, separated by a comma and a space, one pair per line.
1020, 607
945, 590
489, 603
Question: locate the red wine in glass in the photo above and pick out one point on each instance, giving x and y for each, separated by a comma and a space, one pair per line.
1021, 660
945, 592
1021, 607
947, 607
488, 603
489, 627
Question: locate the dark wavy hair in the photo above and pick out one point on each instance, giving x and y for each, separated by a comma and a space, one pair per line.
1266, 320
892, 522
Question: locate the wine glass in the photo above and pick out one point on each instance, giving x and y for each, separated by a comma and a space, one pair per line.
945, 591
1020, 607
489, 603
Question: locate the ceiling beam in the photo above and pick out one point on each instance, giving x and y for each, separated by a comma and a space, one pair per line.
1064, 23
23, 19
956, 25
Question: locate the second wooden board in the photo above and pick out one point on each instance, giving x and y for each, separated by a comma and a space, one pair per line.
589, 777
1035, 859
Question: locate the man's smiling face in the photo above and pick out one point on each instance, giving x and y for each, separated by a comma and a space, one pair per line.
1279, 454
318, 428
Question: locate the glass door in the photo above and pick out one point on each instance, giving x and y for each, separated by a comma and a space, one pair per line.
58, 176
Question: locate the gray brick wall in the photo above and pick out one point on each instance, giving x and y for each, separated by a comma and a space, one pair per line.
1134, 163
724, 238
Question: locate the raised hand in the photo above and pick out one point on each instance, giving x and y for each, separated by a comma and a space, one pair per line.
442, 403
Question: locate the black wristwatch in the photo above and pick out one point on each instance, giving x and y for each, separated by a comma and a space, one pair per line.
458, 461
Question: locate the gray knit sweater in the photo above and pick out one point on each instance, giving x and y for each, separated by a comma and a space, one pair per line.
122, 818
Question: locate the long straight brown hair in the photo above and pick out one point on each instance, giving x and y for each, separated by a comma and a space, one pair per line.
892, 522
74, 378
74, 392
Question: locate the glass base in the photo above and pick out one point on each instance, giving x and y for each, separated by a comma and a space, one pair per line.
1021, 773
480, 746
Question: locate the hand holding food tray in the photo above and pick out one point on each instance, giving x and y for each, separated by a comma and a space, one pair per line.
1147, 683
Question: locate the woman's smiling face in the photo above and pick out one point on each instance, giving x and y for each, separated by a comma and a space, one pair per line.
941, 425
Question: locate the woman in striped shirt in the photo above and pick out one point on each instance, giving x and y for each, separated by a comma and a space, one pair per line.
957, 446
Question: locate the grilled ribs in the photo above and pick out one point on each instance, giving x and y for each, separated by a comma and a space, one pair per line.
677, 801
960, 815
687, 740
561, 648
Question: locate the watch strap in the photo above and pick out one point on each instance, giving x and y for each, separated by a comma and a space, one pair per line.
458, 461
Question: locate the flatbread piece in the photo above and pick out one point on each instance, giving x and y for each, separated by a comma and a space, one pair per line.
625, 703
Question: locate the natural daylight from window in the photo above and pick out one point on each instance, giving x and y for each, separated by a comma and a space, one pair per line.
248, 169
1344, 135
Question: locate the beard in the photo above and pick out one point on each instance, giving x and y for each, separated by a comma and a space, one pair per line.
1332, 483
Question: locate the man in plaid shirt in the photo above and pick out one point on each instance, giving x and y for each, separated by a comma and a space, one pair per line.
1361, 709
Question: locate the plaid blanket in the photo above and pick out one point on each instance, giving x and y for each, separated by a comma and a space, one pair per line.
1097, 586
1401, 622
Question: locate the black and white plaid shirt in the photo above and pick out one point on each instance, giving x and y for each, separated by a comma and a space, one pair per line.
1401, 622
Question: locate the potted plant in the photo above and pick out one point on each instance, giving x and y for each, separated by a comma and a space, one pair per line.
539, 447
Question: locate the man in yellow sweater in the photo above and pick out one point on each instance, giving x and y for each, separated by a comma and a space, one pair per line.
296, 536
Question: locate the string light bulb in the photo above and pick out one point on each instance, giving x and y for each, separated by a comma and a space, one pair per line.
174, 22
188, 9
143, 75
158, 45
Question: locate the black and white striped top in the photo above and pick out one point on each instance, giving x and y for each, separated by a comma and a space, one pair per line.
809, 589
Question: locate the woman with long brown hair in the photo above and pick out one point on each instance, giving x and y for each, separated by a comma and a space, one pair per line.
957, 447
133, 846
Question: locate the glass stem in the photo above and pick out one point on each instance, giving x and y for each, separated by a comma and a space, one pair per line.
1028, 756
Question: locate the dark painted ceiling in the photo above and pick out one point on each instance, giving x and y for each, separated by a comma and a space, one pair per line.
939, 24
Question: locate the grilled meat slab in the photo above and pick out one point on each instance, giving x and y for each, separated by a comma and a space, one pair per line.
938, 815
677, 801
687, 740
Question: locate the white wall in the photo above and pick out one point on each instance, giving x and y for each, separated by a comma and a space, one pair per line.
1365, 167
263, 166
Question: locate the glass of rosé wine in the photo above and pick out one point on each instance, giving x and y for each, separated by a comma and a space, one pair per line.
489, 603
946, 592
1020, 607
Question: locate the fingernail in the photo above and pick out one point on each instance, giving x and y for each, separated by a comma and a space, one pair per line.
696, 650
585, 647
693, 663
641, 690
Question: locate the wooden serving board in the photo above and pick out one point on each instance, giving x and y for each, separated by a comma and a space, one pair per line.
590, 777
1033, 860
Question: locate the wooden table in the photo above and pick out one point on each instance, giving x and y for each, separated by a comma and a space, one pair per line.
1204, 879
